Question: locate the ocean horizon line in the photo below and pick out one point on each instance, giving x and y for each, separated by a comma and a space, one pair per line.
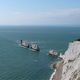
39, 25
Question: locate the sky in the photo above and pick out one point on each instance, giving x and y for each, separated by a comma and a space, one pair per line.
39, 12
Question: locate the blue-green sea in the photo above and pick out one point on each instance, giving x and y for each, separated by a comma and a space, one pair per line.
17, 63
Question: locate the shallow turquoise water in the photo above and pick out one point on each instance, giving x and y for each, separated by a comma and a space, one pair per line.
17, 63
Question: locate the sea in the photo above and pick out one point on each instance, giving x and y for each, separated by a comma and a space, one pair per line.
17, 63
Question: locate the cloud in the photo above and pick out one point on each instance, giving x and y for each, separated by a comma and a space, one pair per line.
63, 16
57, 16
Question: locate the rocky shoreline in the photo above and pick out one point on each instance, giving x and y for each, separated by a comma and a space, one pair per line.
58, 71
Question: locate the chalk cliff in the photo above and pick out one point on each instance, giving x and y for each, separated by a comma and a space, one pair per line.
71, 65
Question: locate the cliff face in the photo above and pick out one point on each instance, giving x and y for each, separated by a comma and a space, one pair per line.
71, 66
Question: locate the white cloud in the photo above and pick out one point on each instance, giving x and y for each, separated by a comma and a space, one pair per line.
58, 16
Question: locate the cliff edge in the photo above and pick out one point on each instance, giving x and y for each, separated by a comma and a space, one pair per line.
71, 65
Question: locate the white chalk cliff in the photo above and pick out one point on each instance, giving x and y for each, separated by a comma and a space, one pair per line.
71, 66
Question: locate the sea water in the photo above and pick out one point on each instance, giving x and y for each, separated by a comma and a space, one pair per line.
17, 63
